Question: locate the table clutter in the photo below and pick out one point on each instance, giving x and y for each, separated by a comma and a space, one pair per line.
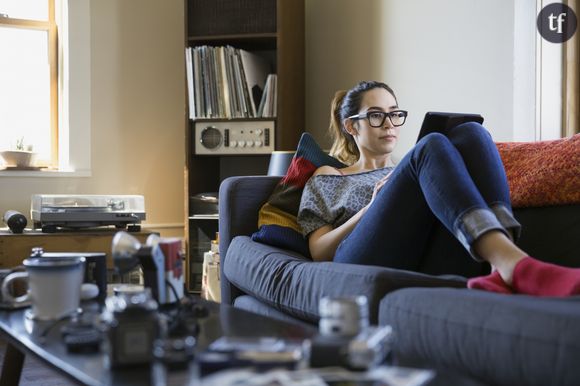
158, 328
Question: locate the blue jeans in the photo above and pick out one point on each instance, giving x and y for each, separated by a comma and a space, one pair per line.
444, 194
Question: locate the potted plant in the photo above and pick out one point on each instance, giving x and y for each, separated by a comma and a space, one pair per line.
22, 157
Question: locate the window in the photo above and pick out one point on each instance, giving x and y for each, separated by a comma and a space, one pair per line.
29, 77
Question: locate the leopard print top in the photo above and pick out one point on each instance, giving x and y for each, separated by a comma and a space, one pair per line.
333, 199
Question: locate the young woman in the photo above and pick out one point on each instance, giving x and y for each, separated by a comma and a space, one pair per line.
447, 191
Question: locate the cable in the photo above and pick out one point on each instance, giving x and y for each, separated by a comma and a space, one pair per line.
48, 328
177, 323
167, 282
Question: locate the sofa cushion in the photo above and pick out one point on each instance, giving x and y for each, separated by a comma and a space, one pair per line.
293, 284
502, 339
277, 218
542, 173
251, 304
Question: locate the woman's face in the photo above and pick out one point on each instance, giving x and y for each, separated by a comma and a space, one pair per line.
375, 141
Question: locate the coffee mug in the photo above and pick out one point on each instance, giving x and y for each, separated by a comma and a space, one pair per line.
54, 286
95, 267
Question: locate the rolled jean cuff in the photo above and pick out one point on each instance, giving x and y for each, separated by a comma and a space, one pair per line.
507, 220
474, 223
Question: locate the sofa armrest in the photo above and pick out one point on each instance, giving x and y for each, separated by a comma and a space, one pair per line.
240, 199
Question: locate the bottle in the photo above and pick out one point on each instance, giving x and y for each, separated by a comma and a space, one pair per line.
211, 272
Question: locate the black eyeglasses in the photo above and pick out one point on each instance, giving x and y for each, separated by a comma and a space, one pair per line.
377, 118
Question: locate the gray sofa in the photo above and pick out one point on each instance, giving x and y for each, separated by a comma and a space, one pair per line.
494, 338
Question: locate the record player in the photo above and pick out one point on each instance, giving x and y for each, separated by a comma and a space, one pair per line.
52, 211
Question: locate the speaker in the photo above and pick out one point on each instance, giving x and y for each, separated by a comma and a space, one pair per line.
15, 220
233, 137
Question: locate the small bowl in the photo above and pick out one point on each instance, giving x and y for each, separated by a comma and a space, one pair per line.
18, 158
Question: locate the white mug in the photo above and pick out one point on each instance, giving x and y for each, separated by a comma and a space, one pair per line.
54, 286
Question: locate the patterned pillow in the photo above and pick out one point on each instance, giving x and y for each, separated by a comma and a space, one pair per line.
543, 173
277, 224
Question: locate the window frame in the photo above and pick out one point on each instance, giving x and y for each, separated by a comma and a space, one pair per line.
50, 27
549, 87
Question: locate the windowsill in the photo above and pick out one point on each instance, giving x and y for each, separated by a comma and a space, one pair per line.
45, 173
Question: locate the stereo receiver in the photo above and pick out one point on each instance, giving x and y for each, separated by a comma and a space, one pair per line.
233, 137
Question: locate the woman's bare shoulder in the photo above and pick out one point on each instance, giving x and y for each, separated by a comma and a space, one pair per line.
326, 170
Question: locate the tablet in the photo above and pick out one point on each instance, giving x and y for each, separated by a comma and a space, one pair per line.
440, 122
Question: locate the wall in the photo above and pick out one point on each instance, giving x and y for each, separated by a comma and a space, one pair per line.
447, 55
458, 55
137, 100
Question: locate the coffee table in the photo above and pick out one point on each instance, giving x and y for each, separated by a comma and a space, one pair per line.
23, 338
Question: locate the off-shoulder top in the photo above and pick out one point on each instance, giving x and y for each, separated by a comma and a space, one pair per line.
333, 199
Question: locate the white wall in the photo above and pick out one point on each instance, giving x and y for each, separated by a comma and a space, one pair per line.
137, 99
447, 55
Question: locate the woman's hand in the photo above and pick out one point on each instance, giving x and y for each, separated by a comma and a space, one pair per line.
378, 186
324, 241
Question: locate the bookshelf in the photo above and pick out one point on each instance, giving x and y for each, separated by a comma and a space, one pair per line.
273, 30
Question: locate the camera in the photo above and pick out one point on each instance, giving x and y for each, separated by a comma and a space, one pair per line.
132, 325
346, 339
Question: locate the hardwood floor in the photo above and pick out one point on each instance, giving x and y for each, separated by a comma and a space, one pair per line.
36, 373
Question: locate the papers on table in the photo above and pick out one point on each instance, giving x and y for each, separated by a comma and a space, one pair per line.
387, 375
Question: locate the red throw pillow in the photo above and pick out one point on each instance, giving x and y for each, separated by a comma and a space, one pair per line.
542, 173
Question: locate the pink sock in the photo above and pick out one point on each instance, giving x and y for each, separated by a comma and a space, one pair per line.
534, 277
492, 282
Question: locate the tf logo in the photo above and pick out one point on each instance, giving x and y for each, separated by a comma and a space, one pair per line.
557, 22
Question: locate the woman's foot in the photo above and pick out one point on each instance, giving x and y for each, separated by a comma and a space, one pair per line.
498, 250
492, 282
534, 277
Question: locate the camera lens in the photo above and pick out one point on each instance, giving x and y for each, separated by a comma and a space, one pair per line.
174, 352
343, 316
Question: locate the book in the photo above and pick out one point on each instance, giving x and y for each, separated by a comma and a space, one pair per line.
190, 82
267, 106
199, 109
206, 81
256, 70
225, 83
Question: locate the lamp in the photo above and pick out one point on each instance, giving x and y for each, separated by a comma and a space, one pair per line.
279, 162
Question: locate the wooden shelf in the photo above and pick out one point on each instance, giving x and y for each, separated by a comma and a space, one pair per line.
263, 41
274, 30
